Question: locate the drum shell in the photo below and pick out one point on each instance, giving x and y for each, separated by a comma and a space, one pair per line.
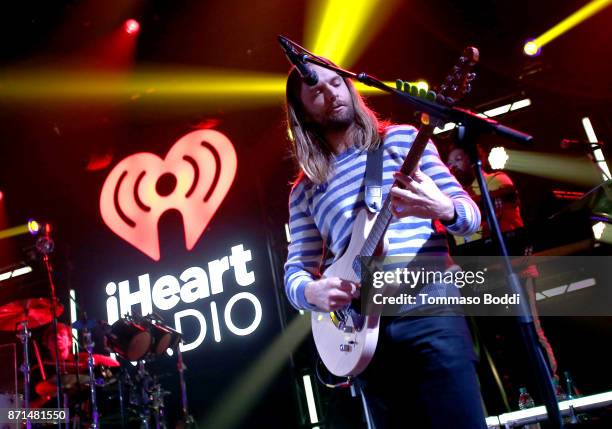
164, 337
129, 340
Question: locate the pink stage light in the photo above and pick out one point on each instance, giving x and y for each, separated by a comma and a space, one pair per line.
131, 26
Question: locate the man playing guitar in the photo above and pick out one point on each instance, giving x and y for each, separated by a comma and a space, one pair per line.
429, 359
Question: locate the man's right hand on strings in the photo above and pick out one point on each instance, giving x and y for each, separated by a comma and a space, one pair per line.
331, 294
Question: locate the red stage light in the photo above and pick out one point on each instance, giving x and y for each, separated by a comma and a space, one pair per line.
1, 195
131, 26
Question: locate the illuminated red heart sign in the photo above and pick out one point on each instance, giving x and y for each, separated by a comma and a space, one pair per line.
193, 179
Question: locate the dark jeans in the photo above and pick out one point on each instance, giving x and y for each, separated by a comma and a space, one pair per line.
423, 375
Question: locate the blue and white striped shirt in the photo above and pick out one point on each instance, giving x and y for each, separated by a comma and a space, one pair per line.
323, 215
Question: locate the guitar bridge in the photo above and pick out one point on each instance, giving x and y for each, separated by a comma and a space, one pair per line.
345, 348
341, 317
347, 329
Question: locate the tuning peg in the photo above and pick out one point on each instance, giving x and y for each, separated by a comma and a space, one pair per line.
467, 89
471, 76
399, 84
431, 96
440, 99
450, 101
454, 88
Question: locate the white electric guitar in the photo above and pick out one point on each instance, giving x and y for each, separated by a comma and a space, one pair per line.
346, 340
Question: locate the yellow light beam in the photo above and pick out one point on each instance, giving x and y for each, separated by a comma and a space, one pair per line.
552, 166
245, 392
341, 29
571, 21
86, 84
14, 231
215, 86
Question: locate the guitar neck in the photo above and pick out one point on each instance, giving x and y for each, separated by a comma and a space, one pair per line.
409, 166
455, 86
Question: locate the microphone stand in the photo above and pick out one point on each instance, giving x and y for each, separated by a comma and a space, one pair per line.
187, 418
24, 336
590, 152
471, 128
45, 246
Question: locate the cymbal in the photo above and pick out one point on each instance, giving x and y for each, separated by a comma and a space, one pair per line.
37, 311
48, 387
99, 360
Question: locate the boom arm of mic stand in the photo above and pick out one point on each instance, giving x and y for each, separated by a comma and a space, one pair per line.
443, 113
449, 114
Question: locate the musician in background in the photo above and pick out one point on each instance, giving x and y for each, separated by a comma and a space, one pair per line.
64, 342
506, 201
423, 372
503, 194
46, 386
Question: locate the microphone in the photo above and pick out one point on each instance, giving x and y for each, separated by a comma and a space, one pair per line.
568, 143
309, 76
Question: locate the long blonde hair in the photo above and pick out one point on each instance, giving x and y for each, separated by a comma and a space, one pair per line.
309, 149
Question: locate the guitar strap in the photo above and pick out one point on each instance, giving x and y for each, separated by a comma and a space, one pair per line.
373, 190
373, 179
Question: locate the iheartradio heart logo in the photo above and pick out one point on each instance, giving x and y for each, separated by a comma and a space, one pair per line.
193, 179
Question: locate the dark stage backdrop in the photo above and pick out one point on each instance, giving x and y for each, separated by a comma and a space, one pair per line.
89, 256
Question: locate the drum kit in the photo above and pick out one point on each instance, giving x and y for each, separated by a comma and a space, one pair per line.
99, 390
95, 386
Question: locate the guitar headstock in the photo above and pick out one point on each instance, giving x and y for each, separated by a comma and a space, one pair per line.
457, 83
455, 86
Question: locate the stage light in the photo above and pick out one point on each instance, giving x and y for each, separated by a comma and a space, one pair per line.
422, 86
588, 129
219, 87
598, 230
131, 26
498, 158
571, 21
15, 273
21, 271
231, 407
310, 400
602, 232
520, 104
370, 90
1, 195
341, 29
33, 227
73, 319
447, 127
559, 168
600, 159
496, 111
288, 233
531, 48
211, 89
